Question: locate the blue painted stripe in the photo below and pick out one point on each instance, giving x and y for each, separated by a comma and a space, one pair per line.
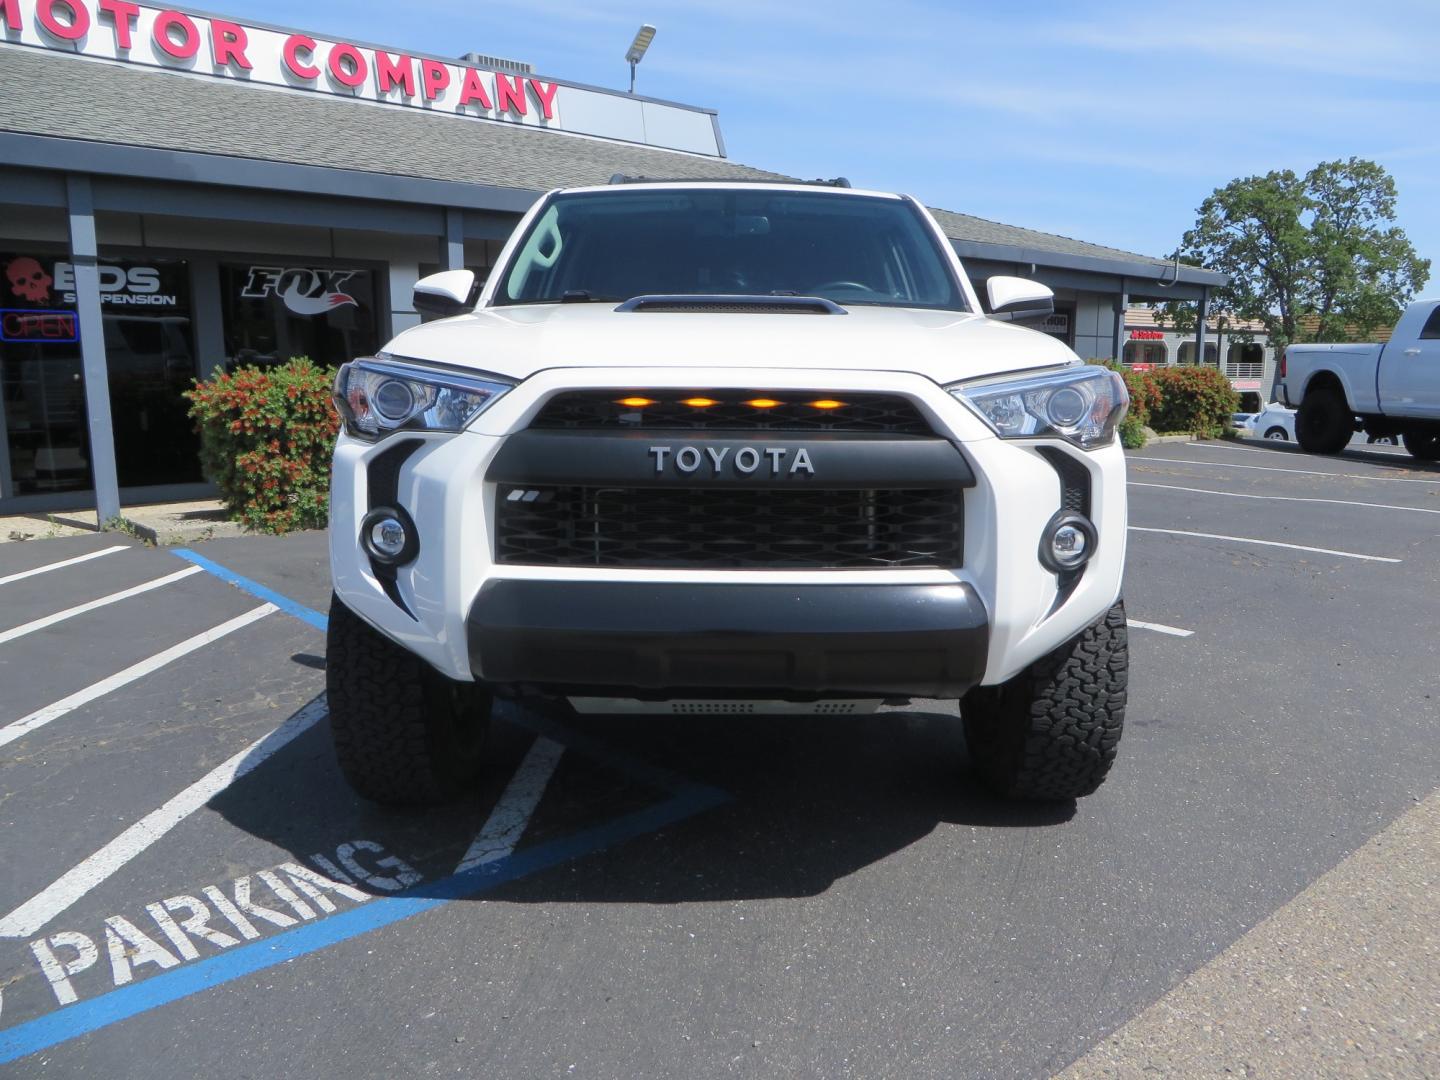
254, 588
121, 1004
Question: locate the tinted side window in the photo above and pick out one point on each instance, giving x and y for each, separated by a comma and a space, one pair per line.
1431, 330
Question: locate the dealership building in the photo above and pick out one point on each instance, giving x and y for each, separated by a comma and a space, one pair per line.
181, 192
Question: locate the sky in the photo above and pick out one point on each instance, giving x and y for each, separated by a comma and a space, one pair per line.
1103, 121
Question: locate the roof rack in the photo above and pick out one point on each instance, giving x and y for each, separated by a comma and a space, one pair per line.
622, 178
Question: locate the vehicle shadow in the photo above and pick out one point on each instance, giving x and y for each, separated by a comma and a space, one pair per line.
1388, 457
810, 801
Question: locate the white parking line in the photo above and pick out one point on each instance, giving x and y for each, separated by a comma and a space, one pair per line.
1268, 468
506, 824
1279, 498
36, 913
1159, 628
80, 609
1268, 543
62, 564
1368, 448
10, 732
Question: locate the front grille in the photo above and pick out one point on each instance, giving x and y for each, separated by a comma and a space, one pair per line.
714, 528
601, 410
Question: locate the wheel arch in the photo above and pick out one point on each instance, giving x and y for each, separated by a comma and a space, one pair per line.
1329, 379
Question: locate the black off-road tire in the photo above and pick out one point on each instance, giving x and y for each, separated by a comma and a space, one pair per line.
1423, 446
405, 735
1324, 423
1052, 731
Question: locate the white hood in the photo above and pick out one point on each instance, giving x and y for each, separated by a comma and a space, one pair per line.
519, 341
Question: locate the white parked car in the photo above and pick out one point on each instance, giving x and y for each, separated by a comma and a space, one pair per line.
708, 448
1275, 422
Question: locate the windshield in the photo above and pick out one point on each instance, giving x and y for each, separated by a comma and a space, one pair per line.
611, 246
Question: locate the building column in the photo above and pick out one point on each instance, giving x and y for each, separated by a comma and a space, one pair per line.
209, 314
84, 257
453, 255
1122, 302
1200, 315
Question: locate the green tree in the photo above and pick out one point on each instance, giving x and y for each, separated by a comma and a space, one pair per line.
1322, 245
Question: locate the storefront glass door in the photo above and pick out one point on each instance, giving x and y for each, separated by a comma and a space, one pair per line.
150, 356
145, 306
46, 443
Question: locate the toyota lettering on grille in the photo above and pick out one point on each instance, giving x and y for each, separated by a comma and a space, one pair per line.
746, 461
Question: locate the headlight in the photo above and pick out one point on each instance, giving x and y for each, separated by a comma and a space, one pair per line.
1083, 404
377, 396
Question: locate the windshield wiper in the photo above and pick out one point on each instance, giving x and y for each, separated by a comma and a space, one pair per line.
584, 296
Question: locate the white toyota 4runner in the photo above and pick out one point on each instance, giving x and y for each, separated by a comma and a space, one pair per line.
727, 448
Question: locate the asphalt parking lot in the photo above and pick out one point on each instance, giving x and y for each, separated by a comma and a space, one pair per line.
190, 889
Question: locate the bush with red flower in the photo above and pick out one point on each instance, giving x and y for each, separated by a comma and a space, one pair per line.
266, 436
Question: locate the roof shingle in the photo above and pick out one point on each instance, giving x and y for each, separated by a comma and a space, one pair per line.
66, 96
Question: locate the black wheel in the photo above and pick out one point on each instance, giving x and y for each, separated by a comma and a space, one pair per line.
1052, 731
405, 734
1277, 434
1423, 446
1324, 423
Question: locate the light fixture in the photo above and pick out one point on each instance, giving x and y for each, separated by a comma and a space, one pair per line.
827, 403
699, 402
388, 536
763, 403
635, 402
636, 52
1067, 542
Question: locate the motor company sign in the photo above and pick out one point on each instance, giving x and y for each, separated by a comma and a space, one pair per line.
181, 40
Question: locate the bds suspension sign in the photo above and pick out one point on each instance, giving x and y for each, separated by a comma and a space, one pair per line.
183, 41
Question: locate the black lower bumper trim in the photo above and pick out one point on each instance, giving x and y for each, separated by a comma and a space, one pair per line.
782, 640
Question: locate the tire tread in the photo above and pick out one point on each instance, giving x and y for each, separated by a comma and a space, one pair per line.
1053, 731
383, 715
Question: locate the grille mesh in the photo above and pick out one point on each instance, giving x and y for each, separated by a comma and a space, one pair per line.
1074, 480
729, 528
600, 410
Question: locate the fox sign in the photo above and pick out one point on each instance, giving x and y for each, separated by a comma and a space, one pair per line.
204, 44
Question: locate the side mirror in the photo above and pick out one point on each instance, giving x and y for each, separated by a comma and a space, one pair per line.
450, 292
1018, 299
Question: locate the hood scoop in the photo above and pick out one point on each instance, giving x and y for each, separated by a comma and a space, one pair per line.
727, 304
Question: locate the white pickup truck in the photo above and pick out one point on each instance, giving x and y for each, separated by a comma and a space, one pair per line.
1391, 389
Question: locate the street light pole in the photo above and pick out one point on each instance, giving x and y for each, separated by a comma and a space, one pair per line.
636, 52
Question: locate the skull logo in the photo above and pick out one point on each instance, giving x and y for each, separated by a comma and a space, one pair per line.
28, 279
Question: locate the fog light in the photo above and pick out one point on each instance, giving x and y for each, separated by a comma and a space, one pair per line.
1068, 542
388, 536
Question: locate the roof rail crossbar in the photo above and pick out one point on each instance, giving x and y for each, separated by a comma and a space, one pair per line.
624, 178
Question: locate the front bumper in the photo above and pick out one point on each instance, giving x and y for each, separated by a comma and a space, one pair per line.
447, 484
636, 638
